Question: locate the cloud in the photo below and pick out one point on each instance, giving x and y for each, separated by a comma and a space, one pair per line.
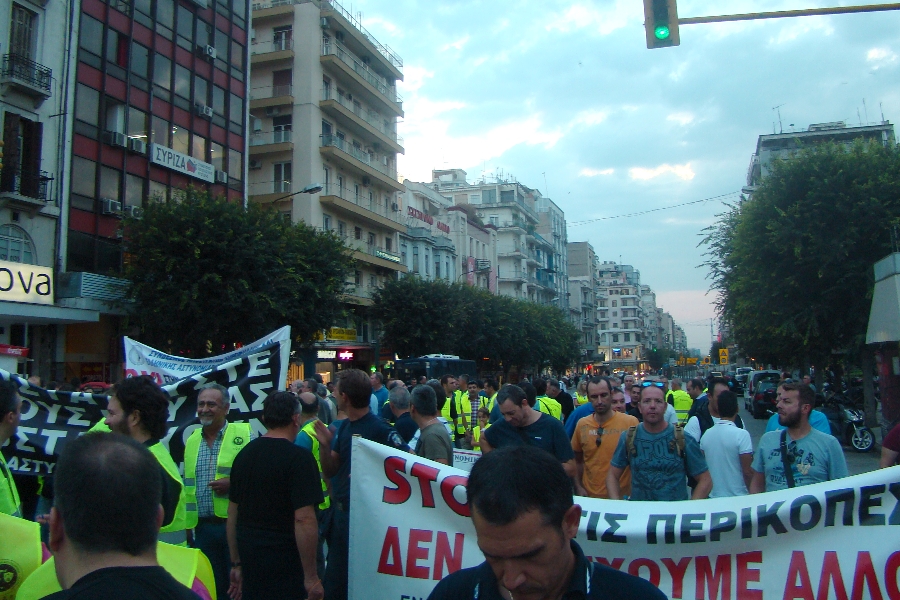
457, 45
382, 23
584, 15
800, 27
682, 118
683, 172
595, 172
881, 57
590, 117
414, 77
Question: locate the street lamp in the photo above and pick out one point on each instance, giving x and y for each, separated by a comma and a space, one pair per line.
313, 188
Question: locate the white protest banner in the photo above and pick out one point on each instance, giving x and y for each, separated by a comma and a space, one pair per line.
409, 527
141, 359
465, 459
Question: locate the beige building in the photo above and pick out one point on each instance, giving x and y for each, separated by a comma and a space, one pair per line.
323, 112
582, 300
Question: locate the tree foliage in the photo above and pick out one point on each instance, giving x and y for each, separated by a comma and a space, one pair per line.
794, 263
206, 274
422, 317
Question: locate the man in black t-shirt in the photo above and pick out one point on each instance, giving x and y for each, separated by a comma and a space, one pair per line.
352, 392
526, 521
523, 425
564, 398
272, 526
105, 520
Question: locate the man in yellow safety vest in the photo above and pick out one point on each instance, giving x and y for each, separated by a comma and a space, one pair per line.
208, 455
10, 412
139, 409
20, 553
309, 411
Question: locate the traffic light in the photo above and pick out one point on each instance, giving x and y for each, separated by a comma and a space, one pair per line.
661, 23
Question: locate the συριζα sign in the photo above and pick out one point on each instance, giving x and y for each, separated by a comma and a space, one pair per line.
172, 159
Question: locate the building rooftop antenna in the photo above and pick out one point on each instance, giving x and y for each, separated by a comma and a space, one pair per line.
778, 110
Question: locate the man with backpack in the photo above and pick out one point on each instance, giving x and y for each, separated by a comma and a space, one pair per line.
659, 454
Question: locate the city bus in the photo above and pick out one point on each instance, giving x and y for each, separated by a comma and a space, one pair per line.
433, 366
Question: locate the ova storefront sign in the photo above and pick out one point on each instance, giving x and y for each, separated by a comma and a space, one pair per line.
25, 283
176, 161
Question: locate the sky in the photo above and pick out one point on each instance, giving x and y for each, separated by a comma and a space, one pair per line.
565, 96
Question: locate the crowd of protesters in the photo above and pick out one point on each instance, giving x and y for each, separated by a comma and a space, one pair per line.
269, 517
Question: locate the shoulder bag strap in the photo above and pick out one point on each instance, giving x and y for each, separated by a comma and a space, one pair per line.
785, 460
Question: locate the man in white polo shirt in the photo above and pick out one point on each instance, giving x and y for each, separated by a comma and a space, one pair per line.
728, 450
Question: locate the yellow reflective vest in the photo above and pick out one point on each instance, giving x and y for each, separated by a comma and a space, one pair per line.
579, 399
310, 430
488, 403
184, 564
173, 533
548, 405
9, 495
463, 409
235, 437
682, 403
20, 553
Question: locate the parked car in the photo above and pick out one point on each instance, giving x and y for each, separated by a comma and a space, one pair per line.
761, 403
741, 375
754, 377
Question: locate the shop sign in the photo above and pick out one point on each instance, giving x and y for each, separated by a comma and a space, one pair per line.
326, 354
386, 256
17, 351
345, 355
418, 214
172, 159
342, 334
25, 283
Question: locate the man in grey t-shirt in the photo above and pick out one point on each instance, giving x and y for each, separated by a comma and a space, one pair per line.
434, 441
813, 456
658, 471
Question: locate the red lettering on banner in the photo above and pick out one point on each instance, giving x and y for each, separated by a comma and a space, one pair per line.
865, 574
677, 571
745, 575
713, 580
447, 486
891, 571
831, 573
391, 546
443, 554
415, 553
794, 589
635, 569
425, 475
615, 564
134, 373
394, 467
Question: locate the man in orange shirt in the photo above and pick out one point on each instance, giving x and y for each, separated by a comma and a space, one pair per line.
595, 440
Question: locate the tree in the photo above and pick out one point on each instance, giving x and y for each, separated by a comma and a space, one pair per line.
794, 263
207, 274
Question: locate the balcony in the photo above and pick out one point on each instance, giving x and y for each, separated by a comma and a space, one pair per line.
353, 157
335, 54
268, 52
514, 253
273, 8
514, 277
391, 59
267, 192
512, 224
359, 294
540, 240
24, 190
270, 142
375, 255
277, 98
26, 77
368, 123
374, 213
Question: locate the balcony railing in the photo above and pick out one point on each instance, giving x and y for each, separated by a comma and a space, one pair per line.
385, 51
357, 153
372, 249
269, 187
263, 138
271, 91
388, 212
333, 48
272, 46
25, 183
20, 69
370, 117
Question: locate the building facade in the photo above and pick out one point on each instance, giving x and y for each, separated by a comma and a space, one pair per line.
582, 289
621, 315
552, 227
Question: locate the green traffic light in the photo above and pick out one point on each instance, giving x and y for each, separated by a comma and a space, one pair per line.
662, 32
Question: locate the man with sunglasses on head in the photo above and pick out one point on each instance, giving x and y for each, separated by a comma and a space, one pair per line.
659, 455
595, 440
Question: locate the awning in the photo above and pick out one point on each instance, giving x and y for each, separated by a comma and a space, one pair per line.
37, 314
884, 318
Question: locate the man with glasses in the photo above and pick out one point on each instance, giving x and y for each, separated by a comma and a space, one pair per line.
595, 441
659, 455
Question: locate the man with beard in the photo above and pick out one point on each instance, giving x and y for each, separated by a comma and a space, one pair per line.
799, 454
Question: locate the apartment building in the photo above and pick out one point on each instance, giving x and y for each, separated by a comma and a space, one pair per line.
552, 227
621, 315
324, 144
151, 94
426, 247
524, 257
582, 290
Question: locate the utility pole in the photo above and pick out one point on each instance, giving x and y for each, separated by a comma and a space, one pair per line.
781, 14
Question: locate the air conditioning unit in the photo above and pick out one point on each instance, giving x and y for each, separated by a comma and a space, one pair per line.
108, 206
207, 51
222, 176
137, 146
114, 138
273, 111
366, 180
135, 212
324, 22
395, 207
203, 110
255, 164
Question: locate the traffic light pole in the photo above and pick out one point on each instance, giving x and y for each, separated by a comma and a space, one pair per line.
807, 12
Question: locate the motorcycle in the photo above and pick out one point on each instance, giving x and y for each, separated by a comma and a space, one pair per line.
848, 423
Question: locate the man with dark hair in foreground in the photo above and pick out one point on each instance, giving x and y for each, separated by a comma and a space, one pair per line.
105, 520
526, 521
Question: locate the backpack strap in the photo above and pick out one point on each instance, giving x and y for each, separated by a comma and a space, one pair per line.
786, 460
629, 441
679, 439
